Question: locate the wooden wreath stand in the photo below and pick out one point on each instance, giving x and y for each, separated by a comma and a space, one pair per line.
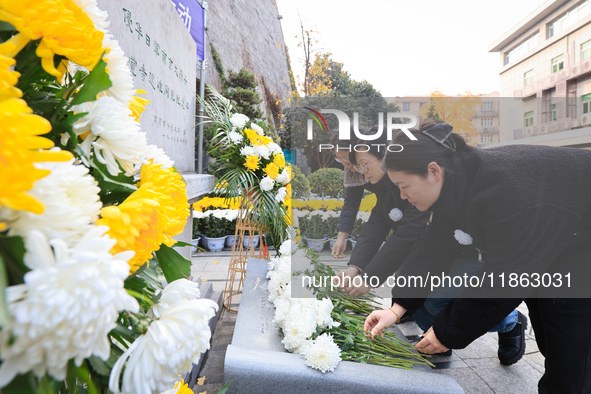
240, 255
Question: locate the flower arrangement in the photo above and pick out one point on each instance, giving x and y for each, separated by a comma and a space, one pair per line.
216, 223
88, 212
329, 328
253, 166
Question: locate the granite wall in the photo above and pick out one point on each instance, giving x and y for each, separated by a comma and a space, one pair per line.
247, 34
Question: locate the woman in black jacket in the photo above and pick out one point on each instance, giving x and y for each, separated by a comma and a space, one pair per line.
527, 210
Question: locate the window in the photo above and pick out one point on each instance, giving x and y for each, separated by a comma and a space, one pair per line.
486, 138
557, 63
528, 78
487, 106
586, 50
554, 112
406, 106
586, 103
486, 122
569, 18
524, 47
529, 118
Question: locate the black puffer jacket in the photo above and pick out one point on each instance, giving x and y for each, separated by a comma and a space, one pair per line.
526, 207
398, 246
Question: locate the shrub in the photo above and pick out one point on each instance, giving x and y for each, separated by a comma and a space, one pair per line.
328, 182
299, 183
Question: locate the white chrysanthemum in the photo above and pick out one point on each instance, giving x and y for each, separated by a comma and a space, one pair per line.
285, 248
232, 214
176, 291
324, 313
114, 134
257, 128
323, 354
158, 156
172, 343
235, 137
282, 308
267, 183
247, 151
66, 306
201, 215
299, 213
239, 120
118, 70
316, 212
272, 265
281, 193
96, 15
462, 237
262, 151
395, 214
283, 178
72, 204
300, 326
274, 148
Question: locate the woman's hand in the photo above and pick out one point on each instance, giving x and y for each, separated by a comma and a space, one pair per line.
378, 320
430, 344
344, 278
339, 247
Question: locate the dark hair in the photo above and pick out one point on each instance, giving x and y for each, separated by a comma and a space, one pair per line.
435, 143
376, 148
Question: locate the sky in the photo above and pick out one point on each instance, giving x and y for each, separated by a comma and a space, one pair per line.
408, 48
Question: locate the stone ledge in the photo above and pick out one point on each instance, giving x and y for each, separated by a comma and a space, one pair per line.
198, 184
257, 362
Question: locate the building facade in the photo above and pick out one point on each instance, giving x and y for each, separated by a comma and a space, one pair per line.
546, 76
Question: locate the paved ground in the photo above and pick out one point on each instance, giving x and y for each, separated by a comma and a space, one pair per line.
475, 368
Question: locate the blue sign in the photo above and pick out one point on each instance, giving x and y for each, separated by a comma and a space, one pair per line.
193, 16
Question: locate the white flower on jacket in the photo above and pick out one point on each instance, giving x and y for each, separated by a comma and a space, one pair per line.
462, 237
395, 214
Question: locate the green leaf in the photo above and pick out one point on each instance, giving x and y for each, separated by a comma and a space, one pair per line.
5, 26
79, 375
225, 388
114, 189
4, 316
181, 244
174, 266
99, 366
48, 385
22, 384
97, 81
12, 250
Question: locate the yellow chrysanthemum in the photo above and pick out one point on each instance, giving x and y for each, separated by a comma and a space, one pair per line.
64, 29
182, 388
252, 136
20, 148
8, 79
213, 202
272, 170
136, 225
279, 160
137, 105
264, 140
252, 162
172, 196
